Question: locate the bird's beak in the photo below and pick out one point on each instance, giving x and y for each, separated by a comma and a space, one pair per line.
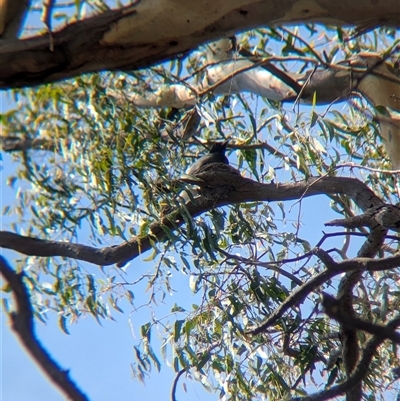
225, 143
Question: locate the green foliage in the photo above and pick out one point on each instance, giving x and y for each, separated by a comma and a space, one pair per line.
97, 179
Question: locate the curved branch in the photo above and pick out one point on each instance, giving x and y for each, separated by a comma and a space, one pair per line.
152, 31
232, 188
359, 373
331, 306
386, 215
333, 269
348, 334
22, 325
175, 383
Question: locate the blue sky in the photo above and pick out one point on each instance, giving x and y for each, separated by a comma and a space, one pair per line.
99, 357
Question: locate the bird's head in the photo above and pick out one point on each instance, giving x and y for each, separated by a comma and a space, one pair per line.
219, 147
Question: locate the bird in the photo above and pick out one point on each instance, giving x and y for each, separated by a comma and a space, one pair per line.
216, 155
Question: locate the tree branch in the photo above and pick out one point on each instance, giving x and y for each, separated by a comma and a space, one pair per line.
22, 325
152, 31
331, 306
12, 16
16, 143
359, 373
175, 383
333, 269
386, 215
231, 188
349, 340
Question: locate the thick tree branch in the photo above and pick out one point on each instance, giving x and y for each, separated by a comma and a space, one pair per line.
386, 215
16, 143
12, 15
152, 31
332, 309
349, 340
23, 326
232, 189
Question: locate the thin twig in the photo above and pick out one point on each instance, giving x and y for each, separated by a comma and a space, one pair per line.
375, 170
46, 19
271, 265
175, 383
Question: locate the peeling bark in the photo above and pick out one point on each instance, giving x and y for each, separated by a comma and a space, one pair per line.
149, 32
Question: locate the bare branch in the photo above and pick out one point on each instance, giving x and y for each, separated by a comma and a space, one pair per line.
46, 18
359, 373
333, 269
269, 265
12, 16
386, 215
150, 32
175, 383
221, 185
348, 334
23, 326
331, 306
15, 143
